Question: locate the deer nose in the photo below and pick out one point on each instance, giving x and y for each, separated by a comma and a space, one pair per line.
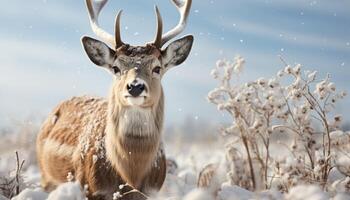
135, 89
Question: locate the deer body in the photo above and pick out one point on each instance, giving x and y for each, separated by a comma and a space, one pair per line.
105, 143
77, 138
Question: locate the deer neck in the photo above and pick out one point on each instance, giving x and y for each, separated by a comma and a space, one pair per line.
133, 136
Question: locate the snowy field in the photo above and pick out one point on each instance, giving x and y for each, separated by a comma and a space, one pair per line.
298, 152
181, 182
283, 136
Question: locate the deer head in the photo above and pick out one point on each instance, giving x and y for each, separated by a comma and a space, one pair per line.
137, 70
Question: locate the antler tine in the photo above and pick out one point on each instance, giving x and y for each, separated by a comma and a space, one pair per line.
104, 35
99, 5
184, 10
118, 39
158, 39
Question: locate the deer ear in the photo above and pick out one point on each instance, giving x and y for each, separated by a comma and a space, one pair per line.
98, 52
177, 52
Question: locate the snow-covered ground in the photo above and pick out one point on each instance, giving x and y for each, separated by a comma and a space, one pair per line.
251, 154
180, 183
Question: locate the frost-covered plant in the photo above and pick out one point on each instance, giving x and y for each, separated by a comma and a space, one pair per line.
294, 103
11, 186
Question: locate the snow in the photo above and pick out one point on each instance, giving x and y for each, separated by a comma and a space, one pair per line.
342, 196
181, 181
32, 194
73, 191
188, 176
306, 192
67, 191
198, 194
229, 192
230, 178
32, 175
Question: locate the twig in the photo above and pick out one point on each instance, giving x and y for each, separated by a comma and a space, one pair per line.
18, 171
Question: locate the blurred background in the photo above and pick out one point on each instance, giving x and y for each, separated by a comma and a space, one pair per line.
43, 63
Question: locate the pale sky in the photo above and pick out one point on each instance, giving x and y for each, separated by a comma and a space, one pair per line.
43, 63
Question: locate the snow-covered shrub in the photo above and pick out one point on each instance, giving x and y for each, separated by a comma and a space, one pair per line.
283, 138
12, 184
294, 104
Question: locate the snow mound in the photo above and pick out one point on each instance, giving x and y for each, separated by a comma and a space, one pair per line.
31, 194
199, 194
229, 192
67, 191
306, 192
342, 196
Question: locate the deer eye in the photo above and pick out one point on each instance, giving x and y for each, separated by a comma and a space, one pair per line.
116, 70
156, 70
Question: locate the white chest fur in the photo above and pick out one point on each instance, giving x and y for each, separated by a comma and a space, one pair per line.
137, 122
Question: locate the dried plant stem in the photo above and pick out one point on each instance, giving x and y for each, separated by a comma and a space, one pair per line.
327, 158
246, 146
18, 171
261, 107
245, 143
267, 161
310, 157
326, 146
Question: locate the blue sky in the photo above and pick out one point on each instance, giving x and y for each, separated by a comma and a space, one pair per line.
42, 61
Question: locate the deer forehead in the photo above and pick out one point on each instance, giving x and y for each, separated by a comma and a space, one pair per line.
141, 62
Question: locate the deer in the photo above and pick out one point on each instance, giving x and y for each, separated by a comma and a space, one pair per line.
114, 145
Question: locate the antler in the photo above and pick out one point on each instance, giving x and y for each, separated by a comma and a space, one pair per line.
183, 6
184, 9
115, 41
158, 39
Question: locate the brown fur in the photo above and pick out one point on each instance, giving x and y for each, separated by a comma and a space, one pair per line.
106, 143
133, 51
102, 157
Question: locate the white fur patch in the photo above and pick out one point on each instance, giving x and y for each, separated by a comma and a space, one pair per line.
137, 121
135, 101
54, 119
